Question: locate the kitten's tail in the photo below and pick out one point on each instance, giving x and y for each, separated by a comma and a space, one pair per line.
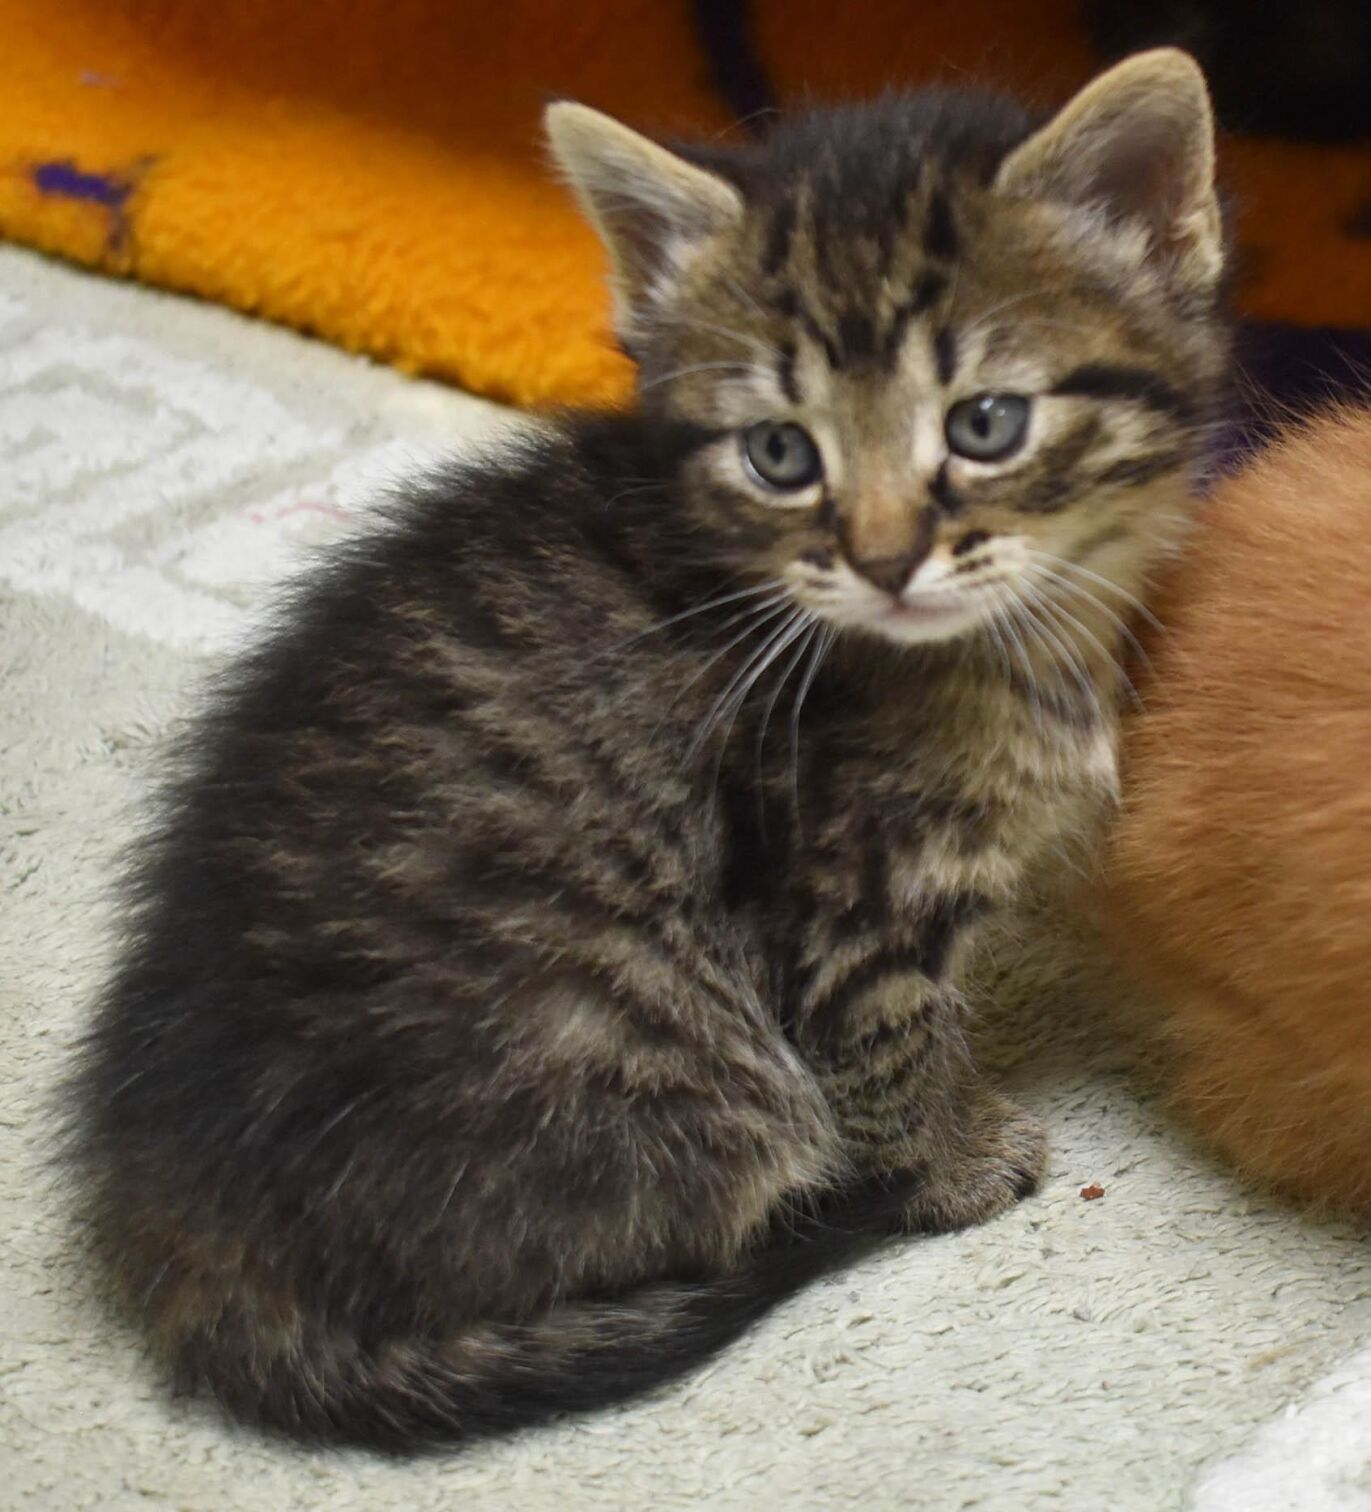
494, 1378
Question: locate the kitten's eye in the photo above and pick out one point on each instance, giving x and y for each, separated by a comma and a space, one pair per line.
782, 456
988, 427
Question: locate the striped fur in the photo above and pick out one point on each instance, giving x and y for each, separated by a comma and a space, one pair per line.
549, 953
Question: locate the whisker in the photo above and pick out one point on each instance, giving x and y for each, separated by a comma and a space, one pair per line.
1073, 660
824, 645
808, 630
1024, 620
1135, 603
746, 339
995, 632
1004, 304
756, 616
1065, 585
731, 700
631, 493
774, 648
702, 367
739, 675
746, 298
1115, 660
1060, 614
1054, 325
1008, 610
1062, 656
774, 587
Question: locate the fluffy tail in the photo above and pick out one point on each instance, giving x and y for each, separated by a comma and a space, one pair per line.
495, 1378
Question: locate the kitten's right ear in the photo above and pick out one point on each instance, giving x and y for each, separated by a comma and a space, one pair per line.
652, 209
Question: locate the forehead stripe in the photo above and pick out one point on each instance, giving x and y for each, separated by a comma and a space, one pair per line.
945, 354
1104, 380
776, 252
785, 372
856, 336
1132, 472
927, 291
792, 307
940, 230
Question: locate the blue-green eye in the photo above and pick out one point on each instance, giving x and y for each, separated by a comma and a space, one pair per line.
987, 427
782, 456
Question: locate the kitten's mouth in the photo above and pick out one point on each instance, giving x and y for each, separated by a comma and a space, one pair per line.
929, 616
924, 611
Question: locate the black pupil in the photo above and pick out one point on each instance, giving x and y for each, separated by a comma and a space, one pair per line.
777, 446
988, 426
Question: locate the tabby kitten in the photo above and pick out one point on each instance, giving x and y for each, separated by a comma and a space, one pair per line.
550, 954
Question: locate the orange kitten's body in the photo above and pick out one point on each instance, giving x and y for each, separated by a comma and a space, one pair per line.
1241, 872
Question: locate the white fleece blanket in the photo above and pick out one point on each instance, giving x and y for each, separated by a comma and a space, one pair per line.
1175, 1343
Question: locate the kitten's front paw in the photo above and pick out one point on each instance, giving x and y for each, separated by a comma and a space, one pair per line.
998, 1159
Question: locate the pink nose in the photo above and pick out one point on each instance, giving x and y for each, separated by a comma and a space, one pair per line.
890, 573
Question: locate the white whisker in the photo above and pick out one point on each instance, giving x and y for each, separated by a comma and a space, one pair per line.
823, 646
774, 648
1004, 304
743, 338
721, 703
1064, 656
746, 298
774, 587
1133, 602
702, 367
630, 493
757, 616
1010, 622
994, 629
1077, 590
809, 628
1067, 622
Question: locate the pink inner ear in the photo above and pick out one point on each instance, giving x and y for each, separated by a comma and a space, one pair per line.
1137, 142
1140, 177
1147, 179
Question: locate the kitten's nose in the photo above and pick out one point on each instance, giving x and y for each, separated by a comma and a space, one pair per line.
889, 573
884, 540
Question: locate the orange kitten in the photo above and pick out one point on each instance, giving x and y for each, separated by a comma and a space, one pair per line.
1240, 874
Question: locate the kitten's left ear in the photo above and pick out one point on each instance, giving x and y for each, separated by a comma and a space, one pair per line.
653, 210
1138, 143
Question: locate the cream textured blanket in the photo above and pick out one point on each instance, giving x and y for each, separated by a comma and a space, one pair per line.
1176, 1343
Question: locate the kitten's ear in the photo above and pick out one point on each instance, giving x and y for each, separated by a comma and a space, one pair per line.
1137, 142
652, 209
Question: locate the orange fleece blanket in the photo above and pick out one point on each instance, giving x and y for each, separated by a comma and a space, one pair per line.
371, 170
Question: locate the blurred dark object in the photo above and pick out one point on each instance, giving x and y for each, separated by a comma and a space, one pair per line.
726, 35
1286, 373
1293, 68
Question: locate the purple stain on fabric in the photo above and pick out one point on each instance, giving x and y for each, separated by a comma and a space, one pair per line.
64, 179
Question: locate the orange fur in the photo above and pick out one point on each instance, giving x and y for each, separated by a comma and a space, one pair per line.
1240, 874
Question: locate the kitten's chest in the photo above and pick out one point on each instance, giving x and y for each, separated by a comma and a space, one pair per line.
872, 821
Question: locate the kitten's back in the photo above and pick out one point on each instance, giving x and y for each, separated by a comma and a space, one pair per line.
1241, 871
